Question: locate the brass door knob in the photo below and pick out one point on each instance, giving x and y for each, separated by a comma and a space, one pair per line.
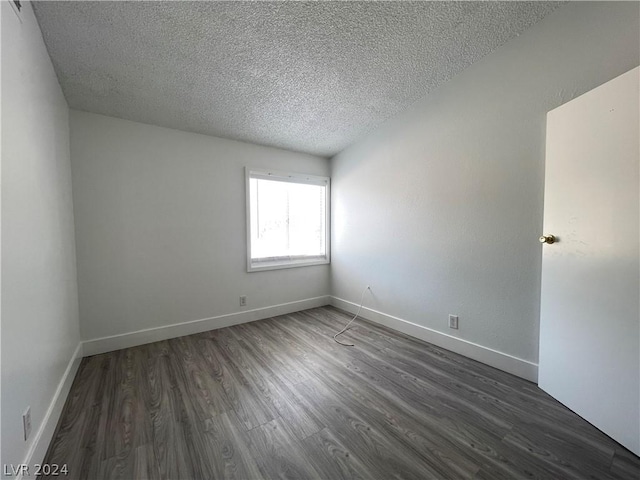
547, 239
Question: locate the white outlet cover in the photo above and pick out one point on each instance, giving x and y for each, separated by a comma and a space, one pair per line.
453, 321
17, 11
26, 423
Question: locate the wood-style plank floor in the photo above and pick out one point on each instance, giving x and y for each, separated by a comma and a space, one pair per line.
278, 398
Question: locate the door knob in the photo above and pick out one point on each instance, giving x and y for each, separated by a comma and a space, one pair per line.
548, 239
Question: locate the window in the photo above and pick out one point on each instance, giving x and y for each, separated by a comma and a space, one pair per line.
287, 220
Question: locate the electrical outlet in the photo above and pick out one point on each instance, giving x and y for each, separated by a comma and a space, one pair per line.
453, 321
17, 7
243, 300
26, 422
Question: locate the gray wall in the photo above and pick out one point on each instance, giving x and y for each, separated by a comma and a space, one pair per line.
160, 226
440, 209
40, 328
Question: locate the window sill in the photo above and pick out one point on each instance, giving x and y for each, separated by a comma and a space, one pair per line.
280, 264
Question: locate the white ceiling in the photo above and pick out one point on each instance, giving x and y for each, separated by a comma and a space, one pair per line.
306, 76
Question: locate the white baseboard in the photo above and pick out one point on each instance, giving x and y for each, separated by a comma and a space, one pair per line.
149, 335
502, 361
42, 439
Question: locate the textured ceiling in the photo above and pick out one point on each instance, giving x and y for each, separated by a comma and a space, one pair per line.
306, 76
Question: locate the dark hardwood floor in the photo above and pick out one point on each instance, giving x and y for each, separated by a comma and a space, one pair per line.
278, 398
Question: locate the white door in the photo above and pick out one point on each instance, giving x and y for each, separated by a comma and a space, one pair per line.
590, 312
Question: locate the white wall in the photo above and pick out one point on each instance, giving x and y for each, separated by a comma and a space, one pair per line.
160, 227
40, 331
440, 209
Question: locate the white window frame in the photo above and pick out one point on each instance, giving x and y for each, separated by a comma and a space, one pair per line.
294, 178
